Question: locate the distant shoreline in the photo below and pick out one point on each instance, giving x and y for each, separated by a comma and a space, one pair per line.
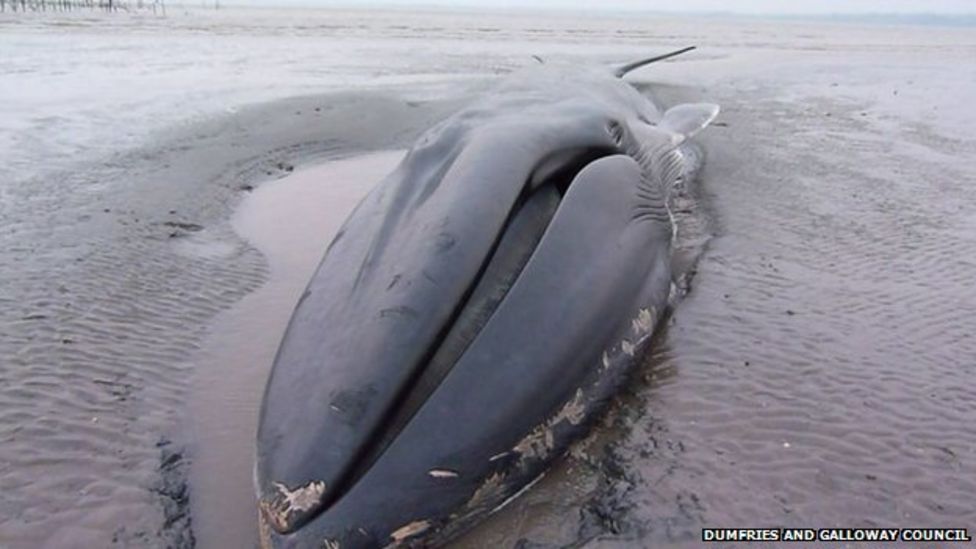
957, 19
924, 19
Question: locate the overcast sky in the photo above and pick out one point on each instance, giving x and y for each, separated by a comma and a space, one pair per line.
740, 6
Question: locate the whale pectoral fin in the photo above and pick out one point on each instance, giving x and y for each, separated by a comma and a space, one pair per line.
689, 118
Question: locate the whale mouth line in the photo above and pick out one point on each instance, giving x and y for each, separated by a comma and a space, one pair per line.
526, 223
520, 235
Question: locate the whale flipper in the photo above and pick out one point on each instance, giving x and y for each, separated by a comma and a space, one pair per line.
689, 118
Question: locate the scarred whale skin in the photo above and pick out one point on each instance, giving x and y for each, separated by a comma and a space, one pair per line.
340, 463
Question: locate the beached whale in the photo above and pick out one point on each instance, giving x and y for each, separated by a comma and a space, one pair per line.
474, 313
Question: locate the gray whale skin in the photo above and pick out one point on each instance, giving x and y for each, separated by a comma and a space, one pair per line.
474, 314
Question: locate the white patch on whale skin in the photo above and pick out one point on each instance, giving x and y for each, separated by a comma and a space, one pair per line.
302, 498
279, 511
409, 530
330, 544
635, 327
643, 325
443, 473
674, 293
627, 348
540, 441
537, 444
573, 411
644, 321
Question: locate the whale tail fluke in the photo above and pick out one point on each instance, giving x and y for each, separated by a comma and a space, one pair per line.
624, 69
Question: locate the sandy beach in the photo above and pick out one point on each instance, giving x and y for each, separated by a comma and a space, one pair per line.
161, 212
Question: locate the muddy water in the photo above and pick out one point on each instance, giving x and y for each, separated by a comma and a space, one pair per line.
291, 221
